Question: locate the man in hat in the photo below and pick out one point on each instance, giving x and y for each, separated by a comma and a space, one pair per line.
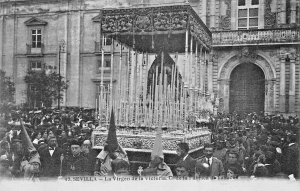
185, 159
214, 165
77, 163
51, 159
233, 162
220, 151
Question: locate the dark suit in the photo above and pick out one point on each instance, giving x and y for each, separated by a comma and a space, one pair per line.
215, 169
91, 156
291, 160
77, 166
50, 165
189, 164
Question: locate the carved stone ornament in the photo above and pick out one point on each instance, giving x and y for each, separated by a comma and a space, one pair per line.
290, 52
270, 18
247, 55
274, 53
225, 21
35, 22
169, 143
143, 23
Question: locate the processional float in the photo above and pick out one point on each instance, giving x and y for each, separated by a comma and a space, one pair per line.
169, 92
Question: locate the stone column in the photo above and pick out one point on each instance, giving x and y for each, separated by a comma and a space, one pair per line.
226, 95
293, 11
1, 41
64, 57
63, 67
203, 12
74, 42
298, 92
272, 93
204, 73
212, 14
221, 95
201, 71
267, 97
210, 75
234, 4
261, 18
282, 99
283, 12
292, 100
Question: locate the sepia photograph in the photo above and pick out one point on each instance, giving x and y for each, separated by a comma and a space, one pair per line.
149, 94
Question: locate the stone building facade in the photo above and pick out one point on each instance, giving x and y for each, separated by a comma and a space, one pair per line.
253, 66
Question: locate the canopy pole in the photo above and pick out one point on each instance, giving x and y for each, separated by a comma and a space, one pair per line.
185, 106
177, 91
101, 85
205, 73
144, 86
136, 83
156, 115
131, 81
186, 55
196, 77
128, 82
161, 84
200, 71
119, 94
111, 76
191, 76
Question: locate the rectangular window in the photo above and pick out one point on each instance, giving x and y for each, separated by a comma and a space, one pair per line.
107, 63
288, 12
105, 87
242, 2
36, 38
253, 12
248, 15
106, 90
36, 65
106, 41
242, 13
298, 14
34, 96
254, 2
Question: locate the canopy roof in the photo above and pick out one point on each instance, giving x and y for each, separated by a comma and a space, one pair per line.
149, 29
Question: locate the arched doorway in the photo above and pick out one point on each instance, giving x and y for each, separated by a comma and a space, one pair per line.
247, 89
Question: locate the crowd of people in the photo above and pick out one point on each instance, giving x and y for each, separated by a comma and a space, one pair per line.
243, 146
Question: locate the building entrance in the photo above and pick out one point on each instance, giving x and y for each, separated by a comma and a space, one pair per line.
247, 89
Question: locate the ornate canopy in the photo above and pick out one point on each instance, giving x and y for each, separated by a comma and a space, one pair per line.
149, 29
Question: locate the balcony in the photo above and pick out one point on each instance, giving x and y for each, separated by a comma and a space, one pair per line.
33, 51
106, 45
106, 70
256, 37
